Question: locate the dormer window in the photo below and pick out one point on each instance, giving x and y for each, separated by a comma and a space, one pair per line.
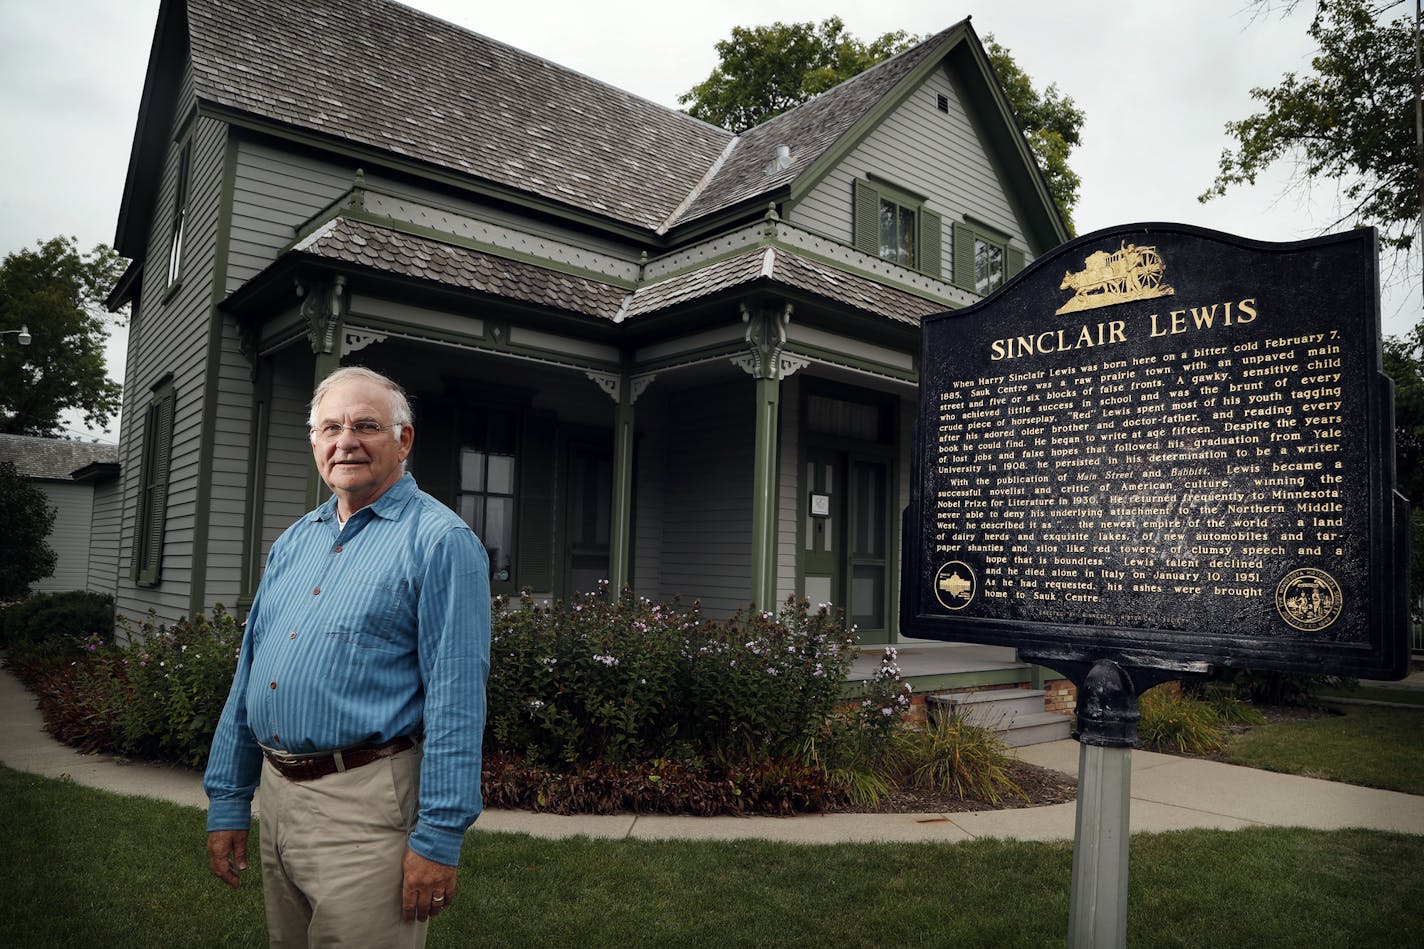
895, 225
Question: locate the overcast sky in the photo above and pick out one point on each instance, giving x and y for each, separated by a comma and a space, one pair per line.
1157, 81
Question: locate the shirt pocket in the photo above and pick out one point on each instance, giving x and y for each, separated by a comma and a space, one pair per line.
370, 616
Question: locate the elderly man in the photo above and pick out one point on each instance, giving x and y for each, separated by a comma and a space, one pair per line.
359, 697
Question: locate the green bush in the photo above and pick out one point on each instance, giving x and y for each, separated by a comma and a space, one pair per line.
159, 695
1276, 688
178, 680
631, 680
51, 625
1175, 721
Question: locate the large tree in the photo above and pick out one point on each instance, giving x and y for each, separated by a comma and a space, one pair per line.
56, 292
1404, 362
765, 70
26, 518
1348, 122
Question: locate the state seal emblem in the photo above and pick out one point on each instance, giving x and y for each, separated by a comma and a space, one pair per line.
1309, 599
955, 585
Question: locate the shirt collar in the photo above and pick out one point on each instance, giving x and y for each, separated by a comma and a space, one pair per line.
389, 505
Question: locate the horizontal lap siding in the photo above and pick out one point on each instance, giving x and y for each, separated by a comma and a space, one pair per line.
274, 193
107, 525
788, 493
649, 498
69, 537
278, 191
289, 456
707, 518
169, 337
923, 150
228, 495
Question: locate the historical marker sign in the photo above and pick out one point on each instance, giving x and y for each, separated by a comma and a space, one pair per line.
1165, 443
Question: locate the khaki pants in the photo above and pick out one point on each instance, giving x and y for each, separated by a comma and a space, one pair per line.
332, 851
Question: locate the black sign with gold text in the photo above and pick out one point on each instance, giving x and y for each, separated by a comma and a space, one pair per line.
1165, 443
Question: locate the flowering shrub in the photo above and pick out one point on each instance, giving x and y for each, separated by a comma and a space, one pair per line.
157, 696
631, 680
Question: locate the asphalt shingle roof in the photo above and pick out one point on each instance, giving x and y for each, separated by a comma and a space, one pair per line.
53, 458
809, 129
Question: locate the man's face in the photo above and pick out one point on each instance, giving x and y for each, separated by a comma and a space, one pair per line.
358, 471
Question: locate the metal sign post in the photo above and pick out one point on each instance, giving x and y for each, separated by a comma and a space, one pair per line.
1107, 730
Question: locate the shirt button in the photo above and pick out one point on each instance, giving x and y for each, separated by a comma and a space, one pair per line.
316, 590
336, 549
272, 685
294, 635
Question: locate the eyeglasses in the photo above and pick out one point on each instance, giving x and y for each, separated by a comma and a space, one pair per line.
365, 431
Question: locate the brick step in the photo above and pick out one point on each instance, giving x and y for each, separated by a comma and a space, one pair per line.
1017, 714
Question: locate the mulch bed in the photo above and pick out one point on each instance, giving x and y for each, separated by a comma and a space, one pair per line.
1040, 786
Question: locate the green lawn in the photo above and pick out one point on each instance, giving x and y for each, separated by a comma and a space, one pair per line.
81, 867
1370, 745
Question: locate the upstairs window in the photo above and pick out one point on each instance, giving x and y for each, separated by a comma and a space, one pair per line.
897, 233
180, 214
984, 258
895, 225
153, 485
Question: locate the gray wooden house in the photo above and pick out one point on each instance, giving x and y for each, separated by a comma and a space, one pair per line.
640, 348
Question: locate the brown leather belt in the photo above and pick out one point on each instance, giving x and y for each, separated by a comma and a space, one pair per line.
311, 767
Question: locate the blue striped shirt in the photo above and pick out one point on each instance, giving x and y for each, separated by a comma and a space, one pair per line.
364, 634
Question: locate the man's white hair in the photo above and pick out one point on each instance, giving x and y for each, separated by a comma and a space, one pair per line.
399, 404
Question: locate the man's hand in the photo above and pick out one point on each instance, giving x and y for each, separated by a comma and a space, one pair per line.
227, 854
427, 887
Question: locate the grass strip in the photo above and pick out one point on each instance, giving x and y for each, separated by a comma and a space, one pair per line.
1369, 745
82, 867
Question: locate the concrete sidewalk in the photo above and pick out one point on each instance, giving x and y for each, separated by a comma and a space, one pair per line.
1168, 793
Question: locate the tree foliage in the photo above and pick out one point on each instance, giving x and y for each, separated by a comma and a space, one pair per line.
766, 70
1051, 122
26, 518
1349, 121
1404, 363
57, 293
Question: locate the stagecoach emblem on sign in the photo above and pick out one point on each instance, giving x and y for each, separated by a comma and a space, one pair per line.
1129, 273
1308, 599
954, 585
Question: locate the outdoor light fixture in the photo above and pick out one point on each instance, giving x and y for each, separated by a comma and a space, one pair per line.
23, 332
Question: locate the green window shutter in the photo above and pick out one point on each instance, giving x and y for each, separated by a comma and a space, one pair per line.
1014, 261
153, 488
963, 257
931, 227
534, 549
867, 217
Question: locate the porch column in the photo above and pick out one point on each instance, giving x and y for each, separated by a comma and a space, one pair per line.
324, 309
624, 389
620, 528
768, 365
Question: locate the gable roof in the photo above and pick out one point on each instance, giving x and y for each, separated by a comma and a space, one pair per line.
810, 129
380, 75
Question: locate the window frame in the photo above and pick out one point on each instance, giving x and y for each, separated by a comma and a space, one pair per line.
178, 223
150, 527
967, 235
868, 195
